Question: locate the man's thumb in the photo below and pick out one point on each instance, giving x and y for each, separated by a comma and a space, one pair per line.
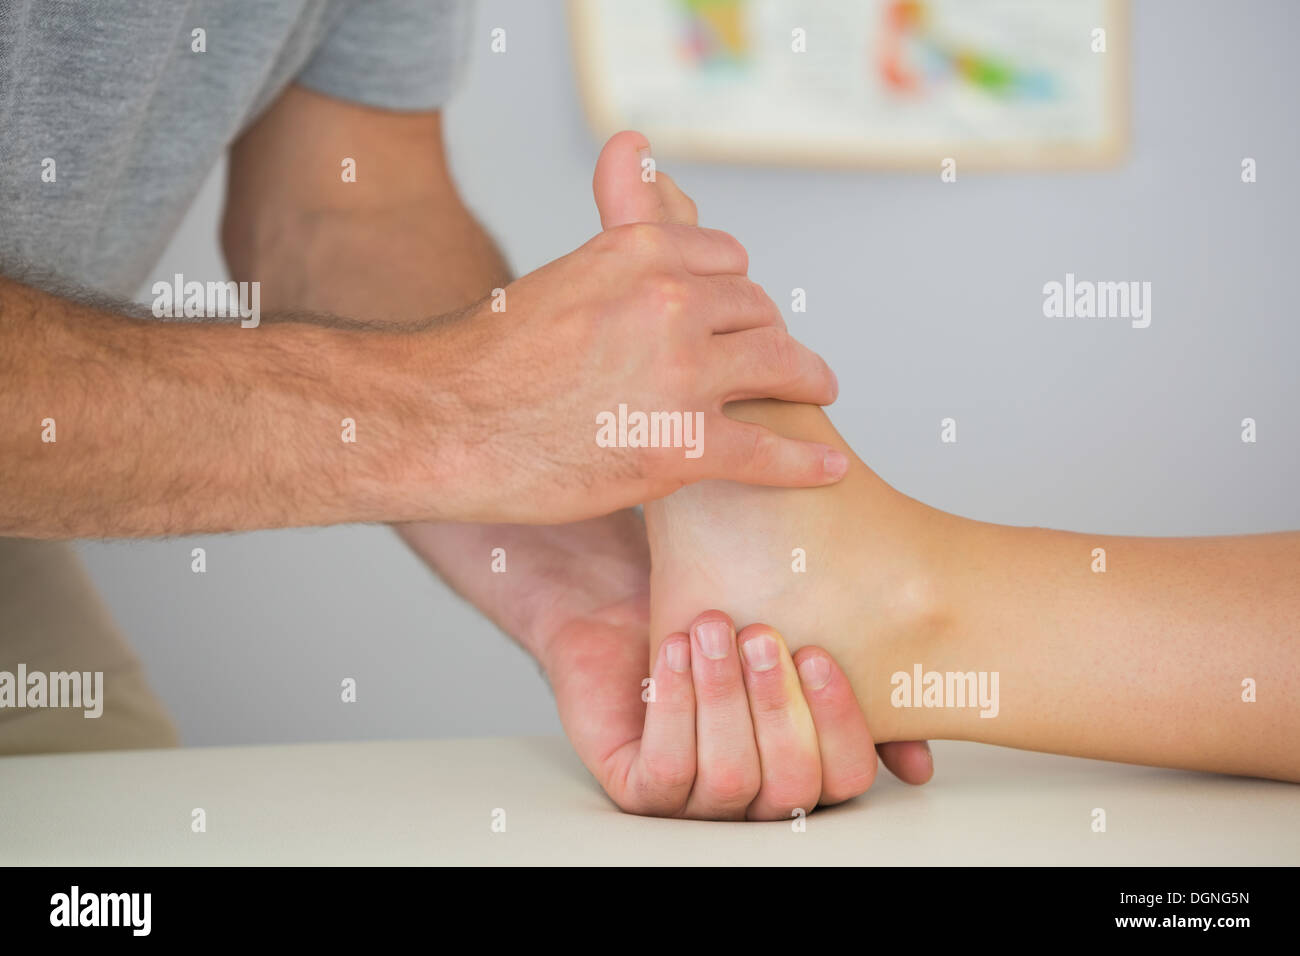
629, 189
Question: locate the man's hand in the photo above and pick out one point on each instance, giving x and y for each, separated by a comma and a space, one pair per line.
724, 729
490, 413
723, 738
653, 317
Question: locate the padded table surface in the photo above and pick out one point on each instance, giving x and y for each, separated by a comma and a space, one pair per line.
434, 802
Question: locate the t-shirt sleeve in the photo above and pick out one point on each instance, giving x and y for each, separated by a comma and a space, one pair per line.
393, 54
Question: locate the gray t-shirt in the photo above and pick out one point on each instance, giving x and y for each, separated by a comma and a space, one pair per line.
134, 118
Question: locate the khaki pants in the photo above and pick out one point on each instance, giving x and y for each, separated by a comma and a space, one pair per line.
52, 620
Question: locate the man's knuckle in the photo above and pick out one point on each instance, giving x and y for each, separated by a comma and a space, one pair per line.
670, 772
730, 787
793, 788
643, 239
782, 356
741, 254
770, 701
717, 692
761, 452
669, 296
848, 783
648, 803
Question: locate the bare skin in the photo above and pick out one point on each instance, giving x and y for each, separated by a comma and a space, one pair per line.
1143, 663
167, 428
577, 595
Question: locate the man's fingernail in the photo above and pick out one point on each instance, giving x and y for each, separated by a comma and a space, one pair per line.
815, 671
761, 653
679, 655
715, 639
836, 463
929, 754
643, 153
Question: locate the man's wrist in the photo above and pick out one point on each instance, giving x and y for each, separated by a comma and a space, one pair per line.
408, 392
534, 580
514, 574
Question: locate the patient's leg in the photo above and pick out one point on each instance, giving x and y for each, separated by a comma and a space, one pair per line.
1149, 661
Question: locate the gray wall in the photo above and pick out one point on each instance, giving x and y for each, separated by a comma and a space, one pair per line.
927, 300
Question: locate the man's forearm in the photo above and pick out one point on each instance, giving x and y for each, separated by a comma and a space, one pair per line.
395, 261
117, 426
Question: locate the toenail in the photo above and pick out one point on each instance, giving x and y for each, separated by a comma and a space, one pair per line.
715, 639
761, 653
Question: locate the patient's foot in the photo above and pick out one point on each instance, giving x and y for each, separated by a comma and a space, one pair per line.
846, 567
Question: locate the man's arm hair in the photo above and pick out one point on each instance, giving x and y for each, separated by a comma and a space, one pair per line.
175, 426
116, 425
